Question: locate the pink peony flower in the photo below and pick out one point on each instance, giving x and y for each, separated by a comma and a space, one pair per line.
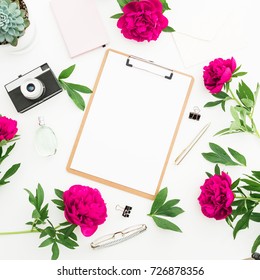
142, 20
217, 73
216, 197
8, 128
84, 207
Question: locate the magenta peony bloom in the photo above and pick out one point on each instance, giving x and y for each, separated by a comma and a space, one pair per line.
84, 207
142, 20
216, 197
8, 128
217, 73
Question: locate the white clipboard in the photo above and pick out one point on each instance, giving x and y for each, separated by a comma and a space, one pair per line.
130, 124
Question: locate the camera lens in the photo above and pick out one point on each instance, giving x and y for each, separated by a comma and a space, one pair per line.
32, 89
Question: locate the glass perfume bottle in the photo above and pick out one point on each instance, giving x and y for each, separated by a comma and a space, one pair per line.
45, 139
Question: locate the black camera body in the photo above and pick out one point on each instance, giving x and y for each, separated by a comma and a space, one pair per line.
33, 88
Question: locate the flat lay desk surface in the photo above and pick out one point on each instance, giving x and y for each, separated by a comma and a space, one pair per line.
202, 238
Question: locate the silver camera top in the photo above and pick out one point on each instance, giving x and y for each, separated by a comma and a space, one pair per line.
22, 79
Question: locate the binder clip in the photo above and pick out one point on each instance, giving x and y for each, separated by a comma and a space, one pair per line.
125, 210
256, 256
195, 114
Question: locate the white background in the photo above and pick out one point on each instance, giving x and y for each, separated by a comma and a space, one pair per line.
202, 238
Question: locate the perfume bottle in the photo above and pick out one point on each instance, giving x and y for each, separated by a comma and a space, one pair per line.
45, 139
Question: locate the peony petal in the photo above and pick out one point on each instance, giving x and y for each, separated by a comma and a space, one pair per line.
226, 76
88, 231
233, 64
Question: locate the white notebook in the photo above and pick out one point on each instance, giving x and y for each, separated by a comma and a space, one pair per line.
80, 25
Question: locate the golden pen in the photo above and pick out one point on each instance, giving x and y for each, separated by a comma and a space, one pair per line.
189, 147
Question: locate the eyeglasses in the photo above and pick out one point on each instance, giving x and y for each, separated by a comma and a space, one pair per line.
118, 237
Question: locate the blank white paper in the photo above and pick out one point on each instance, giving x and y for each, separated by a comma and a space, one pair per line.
130, 125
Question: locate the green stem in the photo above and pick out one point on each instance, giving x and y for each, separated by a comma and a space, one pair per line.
33, 230
253, 125
234, 98
18, 232
249, 198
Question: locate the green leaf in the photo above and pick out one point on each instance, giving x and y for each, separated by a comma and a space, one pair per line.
44, 212
222, 153
165, 224
66, 72
48, 231
116, 16
229, 221
39, 196
55, 251
223, 132
236, 70
238, 202
239, 74
256, 244
215, 158
240, 210
36, 214
168, 29
10, 172
64, 240
59, 193
172, 212
255, 195
46, 242
217, 169
223, 104
75, 96
43, 234
68, 230
241, 192
255, 217
209, 174
212, 103
165, 5
167, 205
235, 184
31, 197
221, 95
251, 183
251, 188
159, 200
8, 150
73, 236
212, 157
122, 3
236, 126
256, 174
234, 113
237, 156
65, 224
245, 92
79, 88
247, 102
58, 202
243, 223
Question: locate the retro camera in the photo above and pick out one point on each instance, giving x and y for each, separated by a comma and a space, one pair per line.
33, 88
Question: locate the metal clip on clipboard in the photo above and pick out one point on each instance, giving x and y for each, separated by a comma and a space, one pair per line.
149, 66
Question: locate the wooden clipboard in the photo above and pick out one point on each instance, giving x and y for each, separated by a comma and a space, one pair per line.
130, 124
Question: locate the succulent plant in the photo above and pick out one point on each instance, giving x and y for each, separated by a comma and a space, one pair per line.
13, 21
